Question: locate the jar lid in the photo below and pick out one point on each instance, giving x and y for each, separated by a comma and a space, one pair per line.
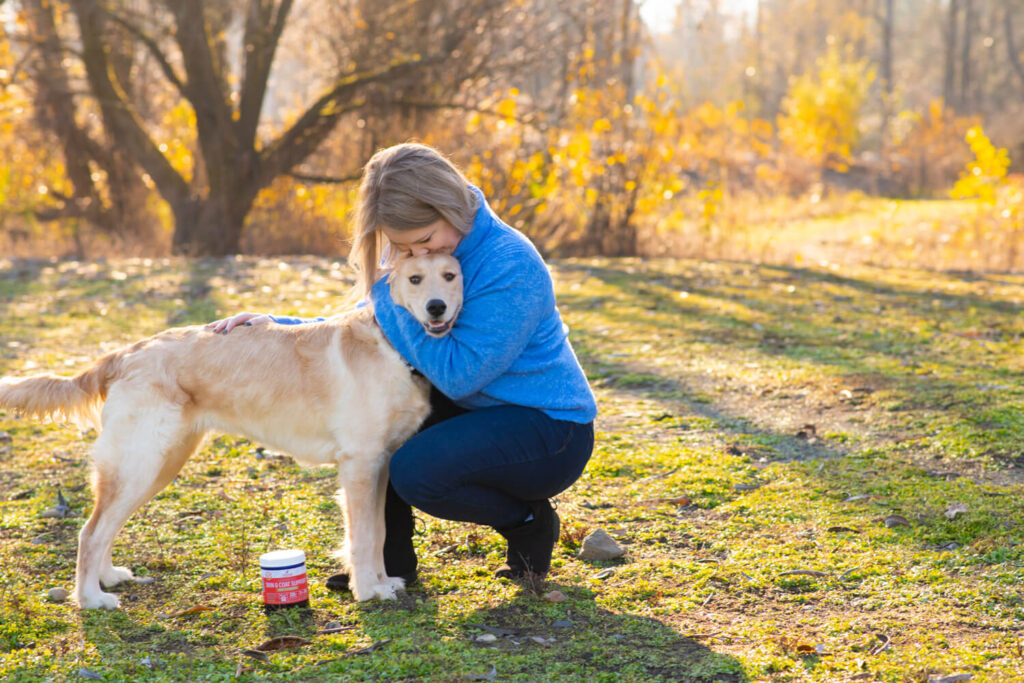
282, 559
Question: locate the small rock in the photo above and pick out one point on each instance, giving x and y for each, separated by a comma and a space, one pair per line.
57, 594
332, 625
89, 675
152, 663
144, 580
600, 546
4, 436
604, 574
562, 623
486, 638
555, 596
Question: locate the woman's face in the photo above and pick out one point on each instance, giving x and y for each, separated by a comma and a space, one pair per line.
440, 237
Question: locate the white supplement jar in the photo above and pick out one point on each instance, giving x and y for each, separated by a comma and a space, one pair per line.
284, 579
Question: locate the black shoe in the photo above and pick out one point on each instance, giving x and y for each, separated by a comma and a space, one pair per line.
530, 545
399, 553
339, 582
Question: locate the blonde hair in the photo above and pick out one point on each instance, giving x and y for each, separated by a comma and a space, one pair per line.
405, 187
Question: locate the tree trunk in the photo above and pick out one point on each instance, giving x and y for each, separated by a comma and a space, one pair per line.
887, 85
949, 75
207, 227
965, 57
1011, 48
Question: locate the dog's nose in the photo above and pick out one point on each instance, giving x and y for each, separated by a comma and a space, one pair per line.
436, 307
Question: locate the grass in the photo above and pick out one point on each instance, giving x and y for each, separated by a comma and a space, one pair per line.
797, 409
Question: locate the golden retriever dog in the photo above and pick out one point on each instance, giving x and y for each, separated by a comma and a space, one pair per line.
328, 393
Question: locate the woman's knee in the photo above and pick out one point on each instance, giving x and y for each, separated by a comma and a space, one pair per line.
413, 482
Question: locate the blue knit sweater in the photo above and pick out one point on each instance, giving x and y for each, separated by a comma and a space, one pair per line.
508, 345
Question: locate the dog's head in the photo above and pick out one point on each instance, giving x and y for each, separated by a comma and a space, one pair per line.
429, 287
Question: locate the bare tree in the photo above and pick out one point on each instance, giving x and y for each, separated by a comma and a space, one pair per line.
1011, 48
118, 207
965, 56
191, 43
886, 20
949, 74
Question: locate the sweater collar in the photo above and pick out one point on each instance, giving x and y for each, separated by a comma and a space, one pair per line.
482, 223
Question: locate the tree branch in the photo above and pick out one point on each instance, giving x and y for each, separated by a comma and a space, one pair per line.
154, 50
531, 121
299, 141
324, 179
1011, 49
118, 116
263, 30
214, 127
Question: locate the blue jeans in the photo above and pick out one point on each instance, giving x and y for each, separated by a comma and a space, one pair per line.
482, 466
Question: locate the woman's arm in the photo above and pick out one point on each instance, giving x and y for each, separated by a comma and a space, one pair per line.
500, 314
225, 325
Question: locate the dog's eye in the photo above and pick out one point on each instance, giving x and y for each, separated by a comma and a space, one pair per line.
449, 276
415, 279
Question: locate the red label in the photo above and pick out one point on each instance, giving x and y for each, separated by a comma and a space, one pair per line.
285, 590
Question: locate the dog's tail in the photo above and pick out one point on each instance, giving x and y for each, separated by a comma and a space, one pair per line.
75, 399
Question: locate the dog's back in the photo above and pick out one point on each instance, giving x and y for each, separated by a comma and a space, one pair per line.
281, 384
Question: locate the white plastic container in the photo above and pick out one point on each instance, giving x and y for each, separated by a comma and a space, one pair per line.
284, 579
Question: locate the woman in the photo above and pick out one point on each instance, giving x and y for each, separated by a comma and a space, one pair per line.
512, 420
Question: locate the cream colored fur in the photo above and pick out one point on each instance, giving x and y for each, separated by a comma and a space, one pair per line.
333, 392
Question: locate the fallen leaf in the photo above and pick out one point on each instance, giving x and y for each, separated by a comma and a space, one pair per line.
808, 432
281, 643
353, 653
895, 520
489, 676
847, 573
839, 529
955, 509
945, 547
256, 654
681, 501
882, 646
491, 629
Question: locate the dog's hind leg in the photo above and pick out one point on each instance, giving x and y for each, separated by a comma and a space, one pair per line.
365, 483
129, 472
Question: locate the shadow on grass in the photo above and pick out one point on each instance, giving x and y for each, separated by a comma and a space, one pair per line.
880, 335
527, 638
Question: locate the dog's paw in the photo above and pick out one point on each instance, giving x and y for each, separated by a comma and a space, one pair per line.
98, 600
368, 590
397, 583
388, 591
115, 575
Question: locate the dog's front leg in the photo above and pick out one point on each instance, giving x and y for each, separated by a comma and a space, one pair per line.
364, 482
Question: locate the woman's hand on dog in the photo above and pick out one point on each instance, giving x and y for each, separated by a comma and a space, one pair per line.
225, 325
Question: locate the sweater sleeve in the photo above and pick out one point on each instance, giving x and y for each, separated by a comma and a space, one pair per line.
501, 310
288, 320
